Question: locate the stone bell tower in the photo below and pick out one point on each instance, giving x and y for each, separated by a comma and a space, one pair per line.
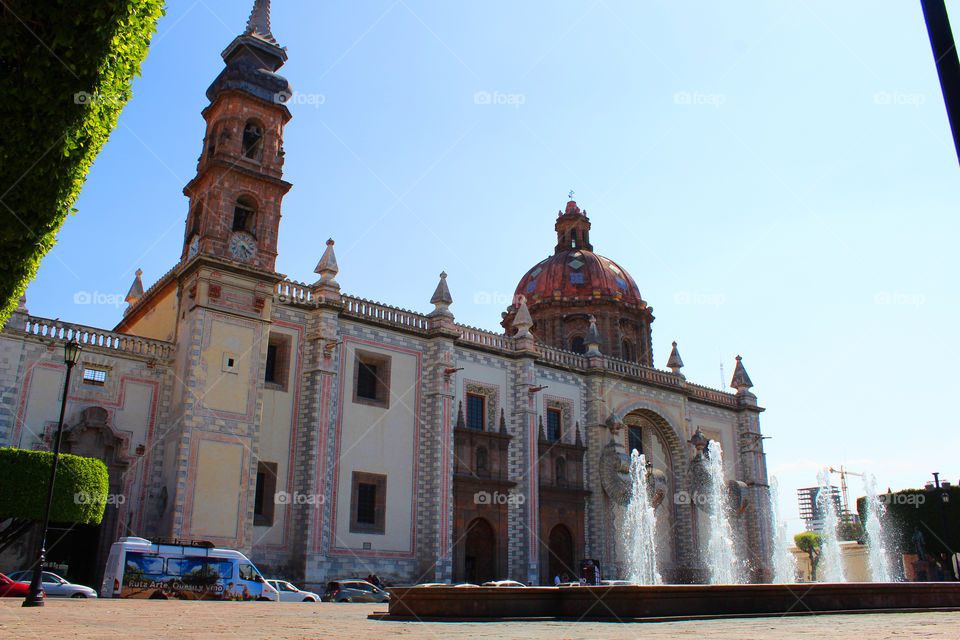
235, 197
225, 282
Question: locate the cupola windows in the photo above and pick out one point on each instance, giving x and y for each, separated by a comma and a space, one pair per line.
253, 140
245, 215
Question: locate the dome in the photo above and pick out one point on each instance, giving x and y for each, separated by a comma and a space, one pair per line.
578, 274
575, 286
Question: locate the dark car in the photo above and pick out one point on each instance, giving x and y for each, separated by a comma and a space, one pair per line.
11, 588
354, 591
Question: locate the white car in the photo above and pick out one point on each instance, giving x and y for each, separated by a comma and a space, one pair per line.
289, 593
55, 586
503, 583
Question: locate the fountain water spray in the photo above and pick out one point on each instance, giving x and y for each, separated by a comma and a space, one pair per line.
641, 527
784, 562
721, 556
879, 562
830, 567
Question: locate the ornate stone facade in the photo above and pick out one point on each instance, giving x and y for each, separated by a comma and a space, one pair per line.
257, 412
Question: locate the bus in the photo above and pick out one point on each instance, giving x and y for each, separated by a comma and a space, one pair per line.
181, 570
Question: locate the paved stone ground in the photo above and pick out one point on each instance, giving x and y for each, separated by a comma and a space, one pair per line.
136, 619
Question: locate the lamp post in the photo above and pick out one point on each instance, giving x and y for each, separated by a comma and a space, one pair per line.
71, 355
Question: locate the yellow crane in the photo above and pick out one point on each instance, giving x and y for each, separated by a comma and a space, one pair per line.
843, 487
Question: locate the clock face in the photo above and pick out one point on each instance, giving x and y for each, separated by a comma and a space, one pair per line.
194, 246
242, 246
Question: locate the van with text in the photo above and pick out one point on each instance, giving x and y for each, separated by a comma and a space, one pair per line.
181, 570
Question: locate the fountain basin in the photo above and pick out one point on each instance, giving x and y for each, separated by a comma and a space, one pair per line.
668, 601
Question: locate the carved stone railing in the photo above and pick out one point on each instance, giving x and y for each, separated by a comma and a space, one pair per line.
92, 337
485, 338
559, 356
292, 291
384, 313
712, 395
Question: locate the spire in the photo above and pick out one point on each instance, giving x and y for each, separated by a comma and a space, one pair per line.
674, 363
461, 423
503, 422
441, 298
327, 267
592, 341
135, 292
741, 381
259, 23
522, 321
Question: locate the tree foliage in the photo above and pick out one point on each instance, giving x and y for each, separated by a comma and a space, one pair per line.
811, 544
913, 509
67, 67
80, 490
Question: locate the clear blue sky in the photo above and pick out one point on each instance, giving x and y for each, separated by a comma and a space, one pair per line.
777, 176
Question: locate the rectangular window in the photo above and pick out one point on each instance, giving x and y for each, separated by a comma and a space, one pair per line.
276, 369
476, 411
264, 499
634, 439
576, 278
96, 377
371, 379
368, 503
553, 425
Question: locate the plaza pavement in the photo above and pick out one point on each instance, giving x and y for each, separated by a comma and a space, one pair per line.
179, 620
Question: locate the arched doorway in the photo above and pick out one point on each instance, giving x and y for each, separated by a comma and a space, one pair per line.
480, 552
560, 546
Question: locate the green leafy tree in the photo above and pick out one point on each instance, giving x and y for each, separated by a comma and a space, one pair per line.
811, 544
67, 67
80, 491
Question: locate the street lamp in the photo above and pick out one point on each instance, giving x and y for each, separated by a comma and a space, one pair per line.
71, 355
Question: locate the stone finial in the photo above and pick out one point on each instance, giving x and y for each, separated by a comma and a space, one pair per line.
442, 299
461, 423
327, 267
522, 321
259, 23
22, 305
135, 292
741, 381
503, 422
578, 438
592, 340
699, 441
674, 363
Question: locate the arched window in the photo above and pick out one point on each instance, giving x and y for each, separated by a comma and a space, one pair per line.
482, 461
245, 215
253, 141
573, 238
212, 141
560, 471
627, 350
577, 346
634, 439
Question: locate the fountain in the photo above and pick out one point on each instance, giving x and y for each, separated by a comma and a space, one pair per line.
721, 554
641, 527
830, 567
784, 562
879, 562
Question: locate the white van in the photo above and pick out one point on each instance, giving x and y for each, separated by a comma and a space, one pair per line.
179, 570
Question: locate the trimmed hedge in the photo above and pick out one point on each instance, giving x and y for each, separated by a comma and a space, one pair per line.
80, 492
67, 67
913, 508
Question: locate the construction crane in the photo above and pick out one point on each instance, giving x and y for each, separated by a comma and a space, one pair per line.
843, 486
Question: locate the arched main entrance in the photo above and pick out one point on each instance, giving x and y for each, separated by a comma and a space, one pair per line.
480, 552
560, 547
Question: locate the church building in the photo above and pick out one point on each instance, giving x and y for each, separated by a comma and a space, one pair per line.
328, 436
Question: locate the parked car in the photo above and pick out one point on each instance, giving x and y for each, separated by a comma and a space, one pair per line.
616, 583
11, 588
503, 583
290, 593
354, 591
55, 586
